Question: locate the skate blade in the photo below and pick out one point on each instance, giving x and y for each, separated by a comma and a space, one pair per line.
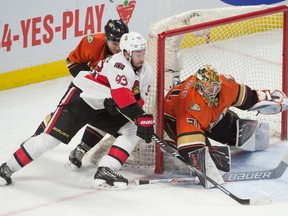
101, 184
3, 182
71, 167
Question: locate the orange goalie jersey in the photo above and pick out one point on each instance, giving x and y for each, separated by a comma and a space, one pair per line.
193, 115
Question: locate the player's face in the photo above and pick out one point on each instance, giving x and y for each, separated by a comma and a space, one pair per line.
137, 58
113, 46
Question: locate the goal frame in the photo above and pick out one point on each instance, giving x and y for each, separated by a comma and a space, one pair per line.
161, 66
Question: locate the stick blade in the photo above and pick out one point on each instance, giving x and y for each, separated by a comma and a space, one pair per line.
265, 200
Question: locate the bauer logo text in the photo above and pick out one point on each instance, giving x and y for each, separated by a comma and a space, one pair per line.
249, 176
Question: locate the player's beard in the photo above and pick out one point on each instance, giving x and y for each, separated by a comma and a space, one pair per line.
136, 67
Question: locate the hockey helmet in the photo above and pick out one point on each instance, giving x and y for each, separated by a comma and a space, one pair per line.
114, 29
208, 82
132, 41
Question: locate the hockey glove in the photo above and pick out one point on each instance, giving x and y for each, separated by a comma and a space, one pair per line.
270, 102
111, 106
145, 129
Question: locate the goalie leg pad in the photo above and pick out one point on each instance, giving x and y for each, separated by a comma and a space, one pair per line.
221, 157
202, 161
252, 135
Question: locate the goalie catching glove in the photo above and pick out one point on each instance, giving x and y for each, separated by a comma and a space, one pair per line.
145, 129
270, 103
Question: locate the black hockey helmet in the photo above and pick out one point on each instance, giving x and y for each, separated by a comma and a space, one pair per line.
114, 29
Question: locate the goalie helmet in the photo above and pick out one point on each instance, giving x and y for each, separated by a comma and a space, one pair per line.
208, 82
132, 41
114, 29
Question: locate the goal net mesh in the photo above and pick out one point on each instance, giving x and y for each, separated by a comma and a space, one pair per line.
249, 49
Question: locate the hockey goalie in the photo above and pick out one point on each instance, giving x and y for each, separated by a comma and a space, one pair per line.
198, 109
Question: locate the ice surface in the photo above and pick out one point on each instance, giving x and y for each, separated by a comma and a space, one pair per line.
45, 187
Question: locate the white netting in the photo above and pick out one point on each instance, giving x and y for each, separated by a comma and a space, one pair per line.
250, 50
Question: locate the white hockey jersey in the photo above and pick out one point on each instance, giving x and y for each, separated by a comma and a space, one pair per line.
114, 78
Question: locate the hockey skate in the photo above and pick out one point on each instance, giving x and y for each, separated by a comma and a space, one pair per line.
107, 178
75, 158
5, 174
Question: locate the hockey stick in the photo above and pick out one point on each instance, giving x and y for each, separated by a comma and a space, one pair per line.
274, 173
252, 201
172, 180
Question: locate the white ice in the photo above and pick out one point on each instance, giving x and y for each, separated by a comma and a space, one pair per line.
45, 187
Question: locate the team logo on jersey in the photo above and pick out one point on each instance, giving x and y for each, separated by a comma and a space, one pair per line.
119, 65
195, 107
135, 88
90, 39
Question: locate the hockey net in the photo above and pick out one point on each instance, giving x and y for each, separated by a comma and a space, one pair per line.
246, 42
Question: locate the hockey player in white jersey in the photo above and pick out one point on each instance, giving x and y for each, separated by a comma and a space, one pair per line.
122, 81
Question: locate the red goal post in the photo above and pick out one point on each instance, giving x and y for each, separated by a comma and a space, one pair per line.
271, 19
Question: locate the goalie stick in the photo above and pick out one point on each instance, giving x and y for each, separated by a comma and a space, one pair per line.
277, 172
252, 201
274, 173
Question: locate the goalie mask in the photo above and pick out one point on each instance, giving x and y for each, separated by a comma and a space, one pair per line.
208, 84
